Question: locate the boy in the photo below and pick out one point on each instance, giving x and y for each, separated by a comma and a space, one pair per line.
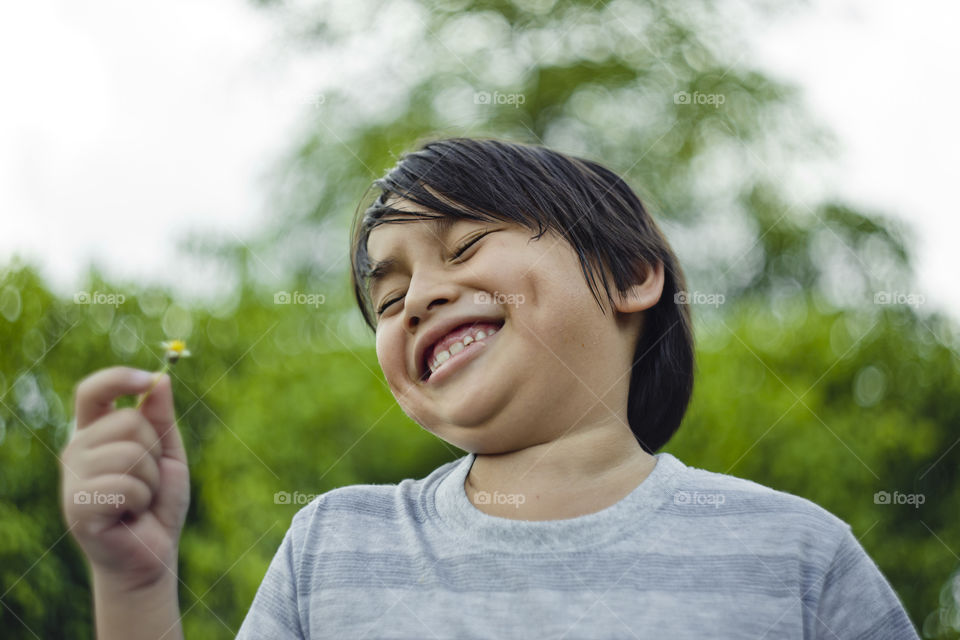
479, 267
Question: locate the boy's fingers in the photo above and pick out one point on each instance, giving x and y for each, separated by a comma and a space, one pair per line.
124, 458
95, 393
122, 426
158, 410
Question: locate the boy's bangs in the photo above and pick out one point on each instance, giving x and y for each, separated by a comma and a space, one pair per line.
446, 201
438, 202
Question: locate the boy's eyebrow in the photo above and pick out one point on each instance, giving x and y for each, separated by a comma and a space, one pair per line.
380, 269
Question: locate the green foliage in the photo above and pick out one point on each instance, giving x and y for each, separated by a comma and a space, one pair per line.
835, 407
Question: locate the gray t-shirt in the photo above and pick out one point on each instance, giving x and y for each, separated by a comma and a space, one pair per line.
687, 554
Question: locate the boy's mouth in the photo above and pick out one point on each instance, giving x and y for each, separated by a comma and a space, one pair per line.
454, 342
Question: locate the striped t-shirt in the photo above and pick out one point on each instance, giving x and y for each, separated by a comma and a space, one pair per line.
687, 554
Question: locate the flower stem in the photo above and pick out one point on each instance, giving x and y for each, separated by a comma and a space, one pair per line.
156, 381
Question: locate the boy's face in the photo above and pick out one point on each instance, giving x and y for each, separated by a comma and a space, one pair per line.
556, 363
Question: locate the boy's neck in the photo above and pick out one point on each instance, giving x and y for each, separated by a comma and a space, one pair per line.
570, 477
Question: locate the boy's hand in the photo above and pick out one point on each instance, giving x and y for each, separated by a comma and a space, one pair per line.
126, 486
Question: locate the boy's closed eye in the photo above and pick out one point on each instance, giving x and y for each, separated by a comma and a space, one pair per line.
458, 252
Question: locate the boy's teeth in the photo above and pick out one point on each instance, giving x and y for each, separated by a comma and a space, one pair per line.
455, 348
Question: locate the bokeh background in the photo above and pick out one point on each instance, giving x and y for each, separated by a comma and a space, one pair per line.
822, 370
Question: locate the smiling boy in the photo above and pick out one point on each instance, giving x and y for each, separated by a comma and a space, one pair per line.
524, 306
491, 396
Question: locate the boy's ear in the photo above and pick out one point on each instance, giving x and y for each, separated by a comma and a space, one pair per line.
642, 295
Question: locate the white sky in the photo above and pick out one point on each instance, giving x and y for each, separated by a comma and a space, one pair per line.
124, 124
883, 75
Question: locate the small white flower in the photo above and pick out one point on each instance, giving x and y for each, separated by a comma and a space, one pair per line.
176, 349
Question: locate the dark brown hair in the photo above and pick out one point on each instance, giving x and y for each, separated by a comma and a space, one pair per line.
594, 210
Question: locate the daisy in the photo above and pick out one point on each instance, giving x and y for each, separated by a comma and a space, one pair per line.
174, 350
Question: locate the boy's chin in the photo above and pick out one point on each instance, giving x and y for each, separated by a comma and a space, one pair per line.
481, 439
478, 446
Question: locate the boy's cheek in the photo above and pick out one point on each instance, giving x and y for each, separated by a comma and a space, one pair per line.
379, 342
392, 360
387, 359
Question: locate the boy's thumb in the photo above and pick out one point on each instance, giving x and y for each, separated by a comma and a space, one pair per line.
158, 410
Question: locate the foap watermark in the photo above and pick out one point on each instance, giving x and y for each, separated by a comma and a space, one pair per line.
914, 499
485, 497
482, 297
897, 297
685, 97
698, 297
697, 499
315, 99
285, 497
97, 497
99, 297
298, 297
486, 97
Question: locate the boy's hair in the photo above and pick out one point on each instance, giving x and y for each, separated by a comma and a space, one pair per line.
587, 204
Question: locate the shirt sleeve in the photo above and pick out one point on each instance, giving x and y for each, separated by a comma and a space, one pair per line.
857, 602
275, 611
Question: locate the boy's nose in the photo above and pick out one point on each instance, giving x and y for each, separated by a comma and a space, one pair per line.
414, 320
424, 295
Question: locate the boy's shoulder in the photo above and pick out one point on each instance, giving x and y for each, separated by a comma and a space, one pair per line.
382, 501
752, 509
746, 493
